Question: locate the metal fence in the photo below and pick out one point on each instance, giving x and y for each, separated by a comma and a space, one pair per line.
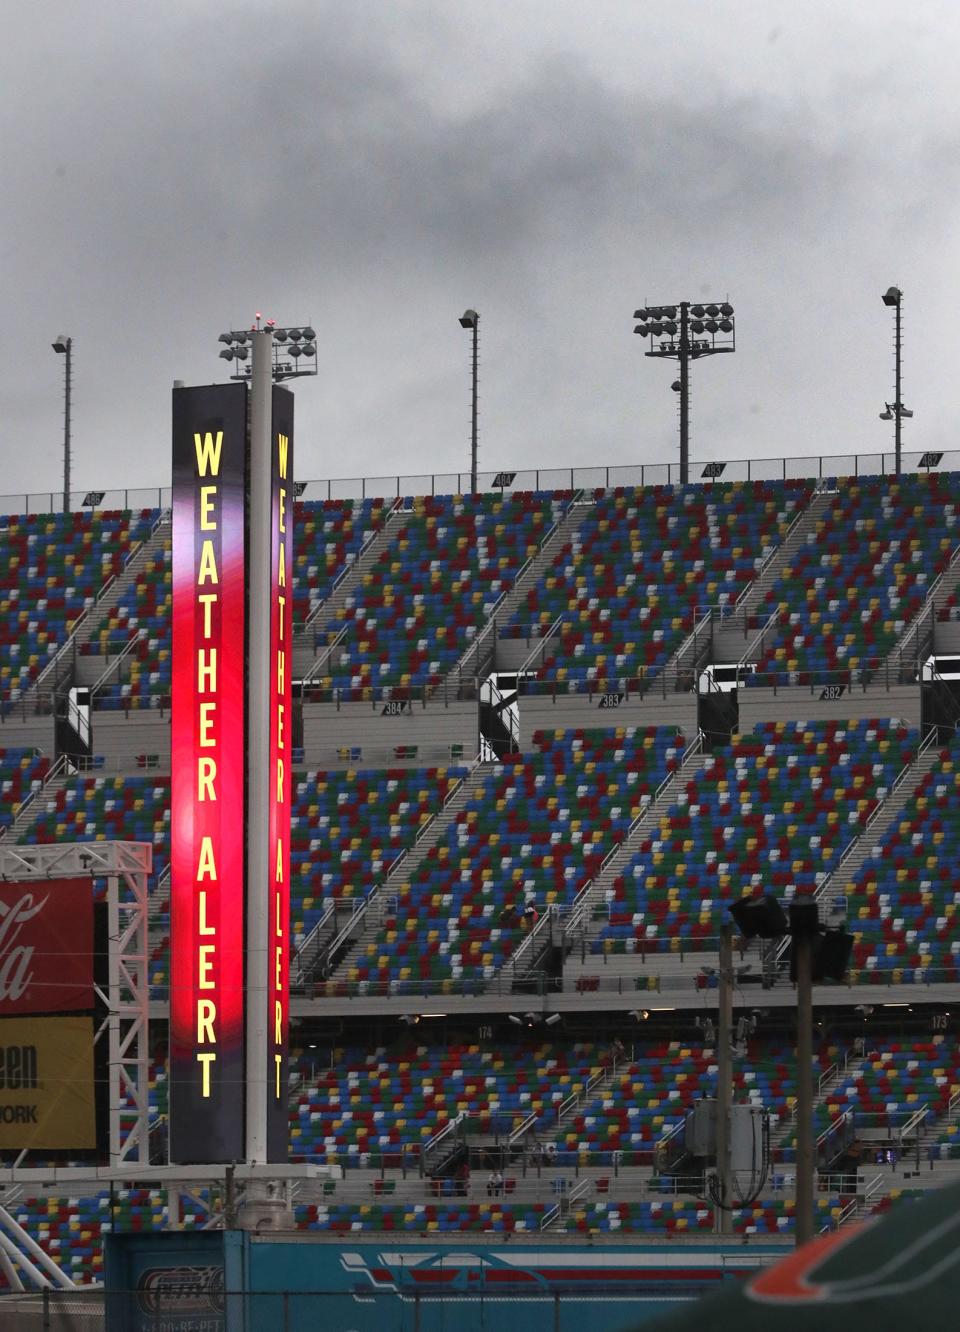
478, 1305
530, 478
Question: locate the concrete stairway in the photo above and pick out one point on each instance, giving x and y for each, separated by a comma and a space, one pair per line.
828, 1081
733, 639
488, 651
881, 820
924, 635
581, 927
367, 923
36, 804
111, 594
312, 638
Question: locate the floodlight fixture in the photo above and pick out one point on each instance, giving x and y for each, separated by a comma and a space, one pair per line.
294, 350
669, 328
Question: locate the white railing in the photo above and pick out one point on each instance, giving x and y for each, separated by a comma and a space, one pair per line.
912, 1126
321, 660
349, 568
88, 611
57, 770
578, 907
362, 908
562, 1206
882, 806
461, 666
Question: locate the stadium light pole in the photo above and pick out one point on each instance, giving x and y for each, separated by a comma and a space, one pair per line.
725, 1079
895, 411
470, 319
63, 346
293, 351
264, 355
685, 333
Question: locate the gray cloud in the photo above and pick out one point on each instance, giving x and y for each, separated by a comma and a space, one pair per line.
169, 173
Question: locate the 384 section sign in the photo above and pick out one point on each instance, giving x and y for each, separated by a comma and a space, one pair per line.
207, 781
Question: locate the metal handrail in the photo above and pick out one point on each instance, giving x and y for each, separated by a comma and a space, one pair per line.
913, 1123
114, 665
490, 628
578, 905
929, 608
363, 907
822, 888
69, 643
59, 767
345, 573
801, 515
321, 660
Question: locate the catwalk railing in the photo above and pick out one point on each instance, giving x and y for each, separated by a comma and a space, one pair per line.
791, 468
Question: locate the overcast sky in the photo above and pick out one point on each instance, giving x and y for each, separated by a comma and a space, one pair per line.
375, 166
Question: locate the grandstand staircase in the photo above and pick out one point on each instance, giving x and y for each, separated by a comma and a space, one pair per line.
36, 802
367, 920
578, 926
732, 638
93, 669
829, 1080
882, 818
487, 652
924, 635
312, 640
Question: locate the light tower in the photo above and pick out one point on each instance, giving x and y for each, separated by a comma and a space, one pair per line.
895, 411
470, 319
63, 346
685, 333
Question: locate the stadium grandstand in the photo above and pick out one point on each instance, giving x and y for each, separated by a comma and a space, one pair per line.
544, 737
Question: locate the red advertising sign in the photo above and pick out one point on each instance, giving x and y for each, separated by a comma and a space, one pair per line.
207, 782
46, 946
280, 755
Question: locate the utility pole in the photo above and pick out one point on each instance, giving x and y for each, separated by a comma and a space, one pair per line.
684, 359
725, 1079
803, 946
63, 346
895, 411
470, 319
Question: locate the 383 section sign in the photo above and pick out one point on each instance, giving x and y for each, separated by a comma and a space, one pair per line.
207, 778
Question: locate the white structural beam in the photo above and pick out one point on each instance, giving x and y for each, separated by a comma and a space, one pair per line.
126, 867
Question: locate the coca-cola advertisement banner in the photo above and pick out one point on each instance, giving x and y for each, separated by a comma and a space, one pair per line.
46, 946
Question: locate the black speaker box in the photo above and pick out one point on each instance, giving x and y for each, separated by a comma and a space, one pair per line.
759, 917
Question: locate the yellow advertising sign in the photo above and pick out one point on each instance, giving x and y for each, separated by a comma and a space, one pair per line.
46, 1083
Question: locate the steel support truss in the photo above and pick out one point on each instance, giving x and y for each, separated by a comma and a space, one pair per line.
126, 867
